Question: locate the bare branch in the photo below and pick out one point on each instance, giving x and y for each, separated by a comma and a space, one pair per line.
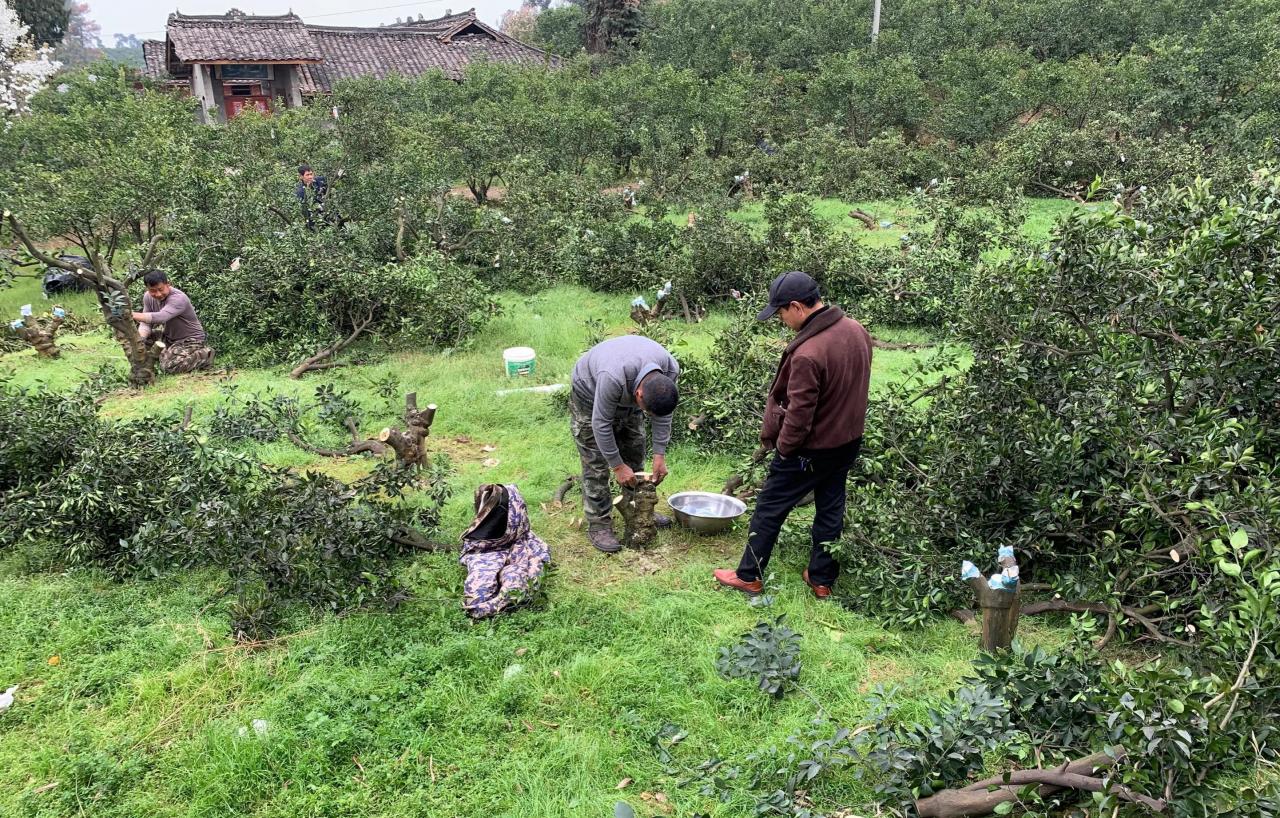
983, 797
563, 489
868, 221
1235, 688
1067, 194
149, 256
313, 363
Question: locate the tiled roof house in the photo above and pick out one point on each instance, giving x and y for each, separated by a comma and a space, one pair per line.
236, 61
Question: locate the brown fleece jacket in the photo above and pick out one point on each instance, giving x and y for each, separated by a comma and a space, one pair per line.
818, 399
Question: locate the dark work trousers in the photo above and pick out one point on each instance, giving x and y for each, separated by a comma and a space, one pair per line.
824, 472
628, 433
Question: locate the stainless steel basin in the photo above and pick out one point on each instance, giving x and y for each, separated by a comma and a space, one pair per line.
704, 512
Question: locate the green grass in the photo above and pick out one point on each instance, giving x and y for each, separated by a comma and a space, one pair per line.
26, 290
419, 712
1041, 216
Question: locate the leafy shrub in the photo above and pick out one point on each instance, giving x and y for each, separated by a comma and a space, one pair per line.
296, 291
120, 477
1024, 710
538, 237
40, 432
823, 162
1116, 417
913, 759
258, 417
770, 653
722, 392
148, 496
1051, 697
723, 255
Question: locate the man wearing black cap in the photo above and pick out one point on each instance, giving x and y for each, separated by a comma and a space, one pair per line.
813, 418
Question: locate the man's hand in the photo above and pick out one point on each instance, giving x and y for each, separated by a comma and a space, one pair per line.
659, 468
624, 475
140, 316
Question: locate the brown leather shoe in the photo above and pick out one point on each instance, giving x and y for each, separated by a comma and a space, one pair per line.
729, 579
603, 539
822, 592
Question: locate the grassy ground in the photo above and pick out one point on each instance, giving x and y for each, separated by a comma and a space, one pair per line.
26, 290
1041, 215
134, 702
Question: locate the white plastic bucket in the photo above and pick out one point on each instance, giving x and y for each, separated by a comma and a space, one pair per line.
519, 361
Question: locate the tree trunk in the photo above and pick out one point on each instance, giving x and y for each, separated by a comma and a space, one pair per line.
141, 356
636, 505
410, 445
999, 614
41, 337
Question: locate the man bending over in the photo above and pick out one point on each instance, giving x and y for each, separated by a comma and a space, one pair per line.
616, 385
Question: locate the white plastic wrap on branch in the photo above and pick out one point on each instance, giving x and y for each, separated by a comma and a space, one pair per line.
998, 598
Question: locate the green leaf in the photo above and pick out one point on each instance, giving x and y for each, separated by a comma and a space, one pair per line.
1231, 569
1003, 808
1239, 539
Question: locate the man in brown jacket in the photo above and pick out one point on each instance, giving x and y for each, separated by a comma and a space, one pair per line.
814, 418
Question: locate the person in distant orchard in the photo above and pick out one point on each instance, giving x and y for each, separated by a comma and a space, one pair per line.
616, 384
168, 314
311, 191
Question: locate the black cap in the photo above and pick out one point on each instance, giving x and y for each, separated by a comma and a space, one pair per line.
788, 287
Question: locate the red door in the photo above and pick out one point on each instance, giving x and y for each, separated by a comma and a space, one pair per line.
256, 101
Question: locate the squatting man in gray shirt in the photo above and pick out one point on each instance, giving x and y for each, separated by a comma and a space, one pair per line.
616, 384
164, 305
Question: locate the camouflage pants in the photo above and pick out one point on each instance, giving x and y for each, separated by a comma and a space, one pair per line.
628, 431
186, 355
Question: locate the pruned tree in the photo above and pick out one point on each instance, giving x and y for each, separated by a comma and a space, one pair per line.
40, 332
409, 443
113, 299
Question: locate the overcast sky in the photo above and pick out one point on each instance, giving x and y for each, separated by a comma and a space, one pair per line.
146, 19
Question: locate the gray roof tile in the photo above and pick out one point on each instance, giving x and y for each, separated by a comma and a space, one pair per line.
238, 37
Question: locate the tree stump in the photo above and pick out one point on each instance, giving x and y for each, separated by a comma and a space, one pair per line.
40, 336
1000, 611
410, 445
637, 505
